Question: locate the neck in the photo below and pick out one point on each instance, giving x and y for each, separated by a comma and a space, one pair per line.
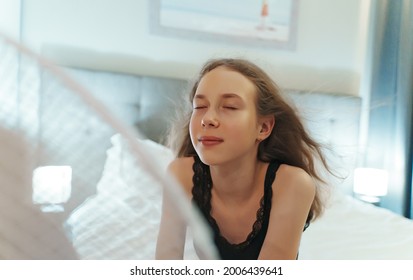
237, 181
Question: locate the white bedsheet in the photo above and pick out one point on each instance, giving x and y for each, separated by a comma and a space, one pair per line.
354, 230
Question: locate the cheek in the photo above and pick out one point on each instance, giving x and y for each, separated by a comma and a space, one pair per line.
243, 128
245, 121
192, 126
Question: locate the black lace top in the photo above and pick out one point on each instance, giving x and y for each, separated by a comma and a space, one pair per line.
251, 247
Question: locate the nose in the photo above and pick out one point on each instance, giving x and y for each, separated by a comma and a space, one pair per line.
209, 120
209, 123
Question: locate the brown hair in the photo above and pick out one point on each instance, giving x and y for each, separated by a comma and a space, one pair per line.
289, 141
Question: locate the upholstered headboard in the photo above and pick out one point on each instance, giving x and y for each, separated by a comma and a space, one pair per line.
144, 102
149, 103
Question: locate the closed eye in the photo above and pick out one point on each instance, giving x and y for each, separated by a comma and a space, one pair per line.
199, 107
230, 107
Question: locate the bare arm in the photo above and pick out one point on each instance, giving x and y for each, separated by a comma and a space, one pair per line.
172, 231
293, 194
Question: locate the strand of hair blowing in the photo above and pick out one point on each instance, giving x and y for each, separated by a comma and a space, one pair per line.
288, 142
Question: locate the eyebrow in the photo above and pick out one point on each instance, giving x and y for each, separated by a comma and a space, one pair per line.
224, 95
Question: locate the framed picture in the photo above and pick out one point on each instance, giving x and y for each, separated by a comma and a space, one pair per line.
268, 23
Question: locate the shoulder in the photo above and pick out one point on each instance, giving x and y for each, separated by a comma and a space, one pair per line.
181, 166
293, 195
295, 182
181, 169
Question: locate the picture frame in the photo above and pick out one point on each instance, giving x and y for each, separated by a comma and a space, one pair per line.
260, 23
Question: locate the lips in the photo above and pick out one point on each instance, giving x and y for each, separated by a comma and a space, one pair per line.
210, 140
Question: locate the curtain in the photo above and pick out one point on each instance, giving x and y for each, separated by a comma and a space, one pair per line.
390, 101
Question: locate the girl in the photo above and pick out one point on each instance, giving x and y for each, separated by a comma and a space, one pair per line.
245, 159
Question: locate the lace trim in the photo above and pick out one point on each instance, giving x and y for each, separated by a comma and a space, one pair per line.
201, 193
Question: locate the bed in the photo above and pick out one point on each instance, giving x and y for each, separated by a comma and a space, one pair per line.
349, 229
114, 207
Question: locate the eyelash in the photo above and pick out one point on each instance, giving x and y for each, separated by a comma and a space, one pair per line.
225, 107
230, 107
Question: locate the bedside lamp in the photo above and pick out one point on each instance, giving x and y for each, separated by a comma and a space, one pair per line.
52, 187
370, 184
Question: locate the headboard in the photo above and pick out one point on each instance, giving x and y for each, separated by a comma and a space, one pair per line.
149, 102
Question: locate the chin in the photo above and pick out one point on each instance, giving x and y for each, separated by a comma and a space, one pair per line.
215, 159
210, 158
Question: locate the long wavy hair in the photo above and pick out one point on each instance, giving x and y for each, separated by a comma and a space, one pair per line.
289, 141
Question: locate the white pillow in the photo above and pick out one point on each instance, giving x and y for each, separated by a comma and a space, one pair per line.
121, 221
121, 163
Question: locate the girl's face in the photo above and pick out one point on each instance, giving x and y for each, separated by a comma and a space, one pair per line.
224, 124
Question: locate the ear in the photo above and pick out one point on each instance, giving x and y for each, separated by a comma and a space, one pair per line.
266, 125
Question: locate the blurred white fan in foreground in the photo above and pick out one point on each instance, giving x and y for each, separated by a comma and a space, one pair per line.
62, 152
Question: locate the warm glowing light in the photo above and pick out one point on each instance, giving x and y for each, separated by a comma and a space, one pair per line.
370, 181
52, 186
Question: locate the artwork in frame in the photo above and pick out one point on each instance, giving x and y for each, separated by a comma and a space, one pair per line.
267, 23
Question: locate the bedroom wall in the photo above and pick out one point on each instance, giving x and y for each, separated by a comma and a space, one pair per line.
10, 18
329, 54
